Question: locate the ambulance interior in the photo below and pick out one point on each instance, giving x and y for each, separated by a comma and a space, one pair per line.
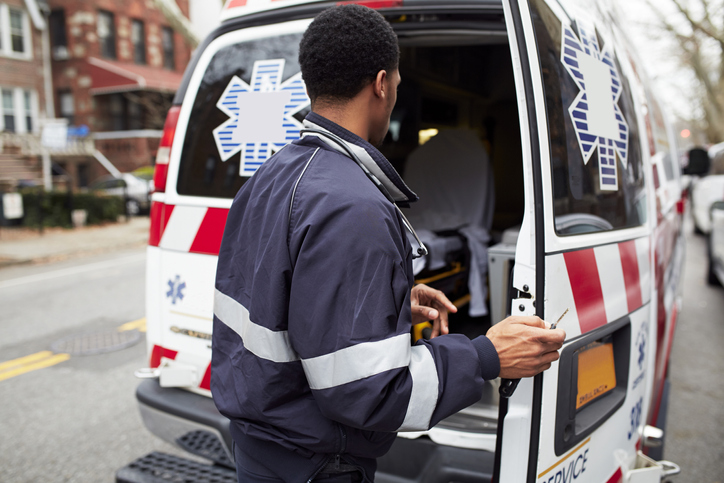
455, 139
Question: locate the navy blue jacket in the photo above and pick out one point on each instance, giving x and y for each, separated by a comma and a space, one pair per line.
312, 355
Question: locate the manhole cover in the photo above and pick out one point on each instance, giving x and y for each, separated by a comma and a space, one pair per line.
96, 342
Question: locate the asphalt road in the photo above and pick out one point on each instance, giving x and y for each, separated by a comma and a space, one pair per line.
77, 421
695, 427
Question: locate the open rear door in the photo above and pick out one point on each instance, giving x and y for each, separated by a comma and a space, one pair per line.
584, 254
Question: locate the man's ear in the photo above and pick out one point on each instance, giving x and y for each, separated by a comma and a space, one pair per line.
378, 85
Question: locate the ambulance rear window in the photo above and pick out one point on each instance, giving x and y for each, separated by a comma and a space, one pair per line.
202, 171
596, 165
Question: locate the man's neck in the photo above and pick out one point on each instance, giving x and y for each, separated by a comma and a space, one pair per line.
351, 115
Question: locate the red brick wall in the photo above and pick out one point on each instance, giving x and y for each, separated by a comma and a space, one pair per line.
27, 74
81, 28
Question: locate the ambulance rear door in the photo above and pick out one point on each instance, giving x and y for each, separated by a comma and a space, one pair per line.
584, 254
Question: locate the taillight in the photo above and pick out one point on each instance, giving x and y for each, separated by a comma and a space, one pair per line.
163, 156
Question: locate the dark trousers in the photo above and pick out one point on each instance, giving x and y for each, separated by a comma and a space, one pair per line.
250, 471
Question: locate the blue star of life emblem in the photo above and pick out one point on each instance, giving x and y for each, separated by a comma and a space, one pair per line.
641, 346
261, 114
596, 117
175, 289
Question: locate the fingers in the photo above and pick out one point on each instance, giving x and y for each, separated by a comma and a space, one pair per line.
525, 346
440, 325
425, 295
424, 313
529, 320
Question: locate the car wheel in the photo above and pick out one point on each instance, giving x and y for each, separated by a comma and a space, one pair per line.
711, 277
132, 207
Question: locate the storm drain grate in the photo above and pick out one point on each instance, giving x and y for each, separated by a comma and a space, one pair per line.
165, 468
96, 342
206, 444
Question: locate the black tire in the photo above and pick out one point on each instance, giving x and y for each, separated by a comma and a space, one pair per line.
711, 277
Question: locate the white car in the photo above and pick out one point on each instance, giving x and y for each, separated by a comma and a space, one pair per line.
135, 190
716, 245
708, 190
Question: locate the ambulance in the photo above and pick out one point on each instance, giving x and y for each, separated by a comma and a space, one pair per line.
549, 186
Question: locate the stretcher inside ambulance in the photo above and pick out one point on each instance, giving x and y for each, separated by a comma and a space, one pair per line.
524, 130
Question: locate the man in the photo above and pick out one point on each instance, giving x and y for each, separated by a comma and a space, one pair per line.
314, 298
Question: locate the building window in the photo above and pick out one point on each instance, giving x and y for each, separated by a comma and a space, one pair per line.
17, 31
116, 110
168, 48
107, 34
28, 105
14, 32
138, 39
58, 36
8, 110
67, 106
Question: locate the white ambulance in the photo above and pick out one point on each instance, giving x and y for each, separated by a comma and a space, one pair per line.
543, 141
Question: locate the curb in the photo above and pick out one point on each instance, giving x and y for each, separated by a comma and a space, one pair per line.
57, 257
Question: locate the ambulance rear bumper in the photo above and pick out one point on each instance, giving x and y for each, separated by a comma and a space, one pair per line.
187, 420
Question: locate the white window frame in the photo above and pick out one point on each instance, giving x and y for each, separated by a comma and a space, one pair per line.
6, 50
19, 112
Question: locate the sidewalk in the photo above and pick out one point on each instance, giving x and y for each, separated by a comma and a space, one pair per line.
19, 246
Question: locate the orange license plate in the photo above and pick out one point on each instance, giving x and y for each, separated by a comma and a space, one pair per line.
596, 372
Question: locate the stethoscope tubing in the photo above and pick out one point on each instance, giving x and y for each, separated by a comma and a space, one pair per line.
422, 249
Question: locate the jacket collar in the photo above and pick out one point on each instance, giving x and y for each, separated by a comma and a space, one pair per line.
368, 155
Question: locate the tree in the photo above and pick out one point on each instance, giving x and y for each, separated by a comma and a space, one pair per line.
697, 30
178, 21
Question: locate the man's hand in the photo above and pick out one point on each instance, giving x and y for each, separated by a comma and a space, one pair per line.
430, 304
525, 345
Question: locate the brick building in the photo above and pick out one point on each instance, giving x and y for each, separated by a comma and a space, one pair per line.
22, 91
115, 67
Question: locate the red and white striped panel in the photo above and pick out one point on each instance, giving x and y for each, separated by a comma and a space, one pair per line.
159, 353
597, 285
191, 229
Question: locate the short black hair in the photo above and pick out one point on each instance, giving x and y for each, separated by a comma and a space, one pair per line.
343, 50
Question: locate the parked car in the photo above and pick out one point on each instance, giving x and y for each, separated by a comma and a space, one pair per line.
716, 245
136, 191
708, 187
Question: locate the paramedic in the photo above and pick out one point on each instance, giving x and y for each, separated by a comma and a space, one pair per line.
314, 298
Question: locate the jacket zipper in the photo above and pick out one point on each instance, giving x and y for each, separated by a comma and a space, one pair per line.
337, 457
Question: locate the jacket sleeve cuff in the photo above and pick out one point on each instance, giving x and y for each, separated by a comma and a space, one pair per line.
488, 356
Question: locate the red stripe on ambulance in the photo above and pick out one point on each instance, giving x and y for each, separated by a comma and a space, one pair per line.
617, 477
158, 352
586, 287
211, 230
206, 381
630, 265
160, 214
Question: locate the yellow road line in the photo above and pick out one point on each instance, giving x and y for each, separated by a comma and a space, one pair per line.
29, 363
139, 325
24, 360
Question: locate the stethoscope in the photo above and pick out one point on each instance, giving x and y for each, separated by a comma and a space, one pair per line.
421, 249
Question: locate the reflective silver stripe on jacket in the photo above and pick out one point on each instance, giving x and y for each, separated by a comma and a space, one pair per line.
424, 390
371, 358
260, 341
357, 362
346, 365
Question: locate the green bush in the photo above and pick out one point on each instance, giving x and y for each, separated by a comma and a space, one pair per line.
57, 205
